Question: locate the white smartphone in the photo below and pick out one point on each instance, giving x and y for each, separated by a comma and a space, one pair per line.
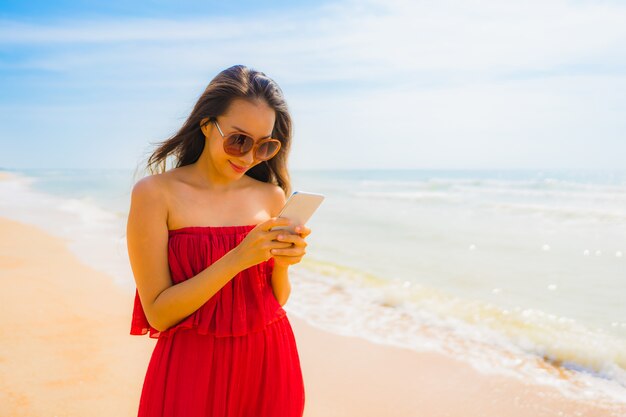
298, 208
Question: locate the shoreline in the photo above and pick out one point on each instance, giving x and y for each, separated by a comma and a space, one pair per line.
70, 353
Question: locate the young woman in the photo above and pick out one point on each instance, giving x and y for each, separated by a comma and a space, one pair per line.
211, 277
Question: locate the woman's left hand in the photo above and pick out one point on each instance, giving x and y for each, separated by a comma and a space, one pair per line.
293, 255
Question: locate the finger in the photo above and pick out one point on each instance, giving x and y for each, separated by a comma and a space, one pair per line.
276, 221
288, 252
288, 258
286, 236
295, 239
302, 230
281, 245
284, 233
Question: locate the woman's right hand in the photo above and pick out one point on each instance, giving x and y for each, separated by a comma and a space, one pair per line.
256, 246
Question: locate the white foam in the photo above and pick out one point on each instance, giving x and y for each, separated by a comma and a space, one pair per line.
408, 195
349, 302
96, 236
340, 300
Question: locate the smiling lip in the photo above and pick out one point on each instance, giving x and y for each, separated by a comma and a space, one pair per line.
237, 167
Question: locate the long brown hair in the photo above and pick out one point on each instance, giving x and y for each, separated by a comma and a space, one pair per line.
237, 81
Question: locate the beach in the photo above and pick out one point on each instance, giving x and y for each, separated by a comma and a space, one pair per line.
65, 350
468, 257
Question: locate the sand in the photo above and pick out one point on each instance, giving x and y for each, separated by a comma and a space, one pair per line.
65, 350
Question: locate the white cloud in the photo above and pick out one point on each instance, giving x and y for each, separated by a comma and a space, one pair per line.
451, 83
351, 40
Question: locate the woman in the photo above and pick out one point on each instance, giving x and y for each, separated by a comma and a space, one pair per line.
211, 277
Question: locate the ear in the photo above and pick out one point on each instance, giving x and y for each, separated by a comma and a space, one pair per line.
204, 126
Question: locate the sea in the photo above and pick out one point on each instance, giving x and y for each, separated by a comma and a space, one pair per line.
517, 272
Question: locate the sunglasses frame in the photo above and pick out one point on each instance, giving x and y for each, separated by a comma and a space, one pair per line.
254, 147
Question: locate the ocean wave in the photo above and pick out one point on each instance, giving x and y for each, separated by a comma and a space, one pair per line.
524, 343
95, 235
407, 195
539, 187
565, 212
548, 188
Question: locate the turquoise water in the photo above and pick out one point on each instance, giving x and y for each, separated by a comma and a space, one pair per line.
534, 262
467, 232
541, 239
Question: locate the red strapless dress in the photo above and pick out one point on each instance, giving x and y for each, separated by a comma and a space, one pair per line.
236, 356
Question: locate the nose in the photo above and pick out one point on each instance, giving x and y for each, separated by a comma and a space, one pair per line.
247, 159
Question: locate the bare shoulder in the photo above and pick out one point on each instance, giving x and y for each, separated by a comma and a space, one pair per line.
152, 188
148, 203
271, 194
160, 185
148, 184
277, 199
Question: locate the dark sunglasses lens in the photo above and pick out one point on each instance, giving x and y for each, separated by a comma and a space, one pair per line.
266, 150
238, 145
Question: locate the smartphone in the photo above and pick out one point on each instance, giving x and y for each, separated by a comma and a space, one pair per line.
298, 208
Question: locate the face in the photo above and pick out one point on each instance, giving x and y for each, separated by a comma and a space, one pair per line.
256, 119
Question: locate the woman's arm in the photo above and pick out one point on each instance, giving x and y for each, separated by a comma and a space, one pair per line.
280, 284
280, 274
164, 303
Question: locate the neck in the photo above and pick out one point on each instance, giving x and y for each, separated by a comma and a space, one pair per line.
209, 178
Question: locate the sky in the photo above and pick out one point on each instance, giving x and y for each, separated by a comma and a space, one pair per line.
380, 84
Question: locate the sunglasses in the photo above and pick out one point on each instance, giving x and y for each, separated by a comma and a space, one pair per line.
239, 144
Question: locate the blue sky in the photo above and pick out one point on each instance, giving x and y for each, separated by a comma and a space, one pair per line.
384, 84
